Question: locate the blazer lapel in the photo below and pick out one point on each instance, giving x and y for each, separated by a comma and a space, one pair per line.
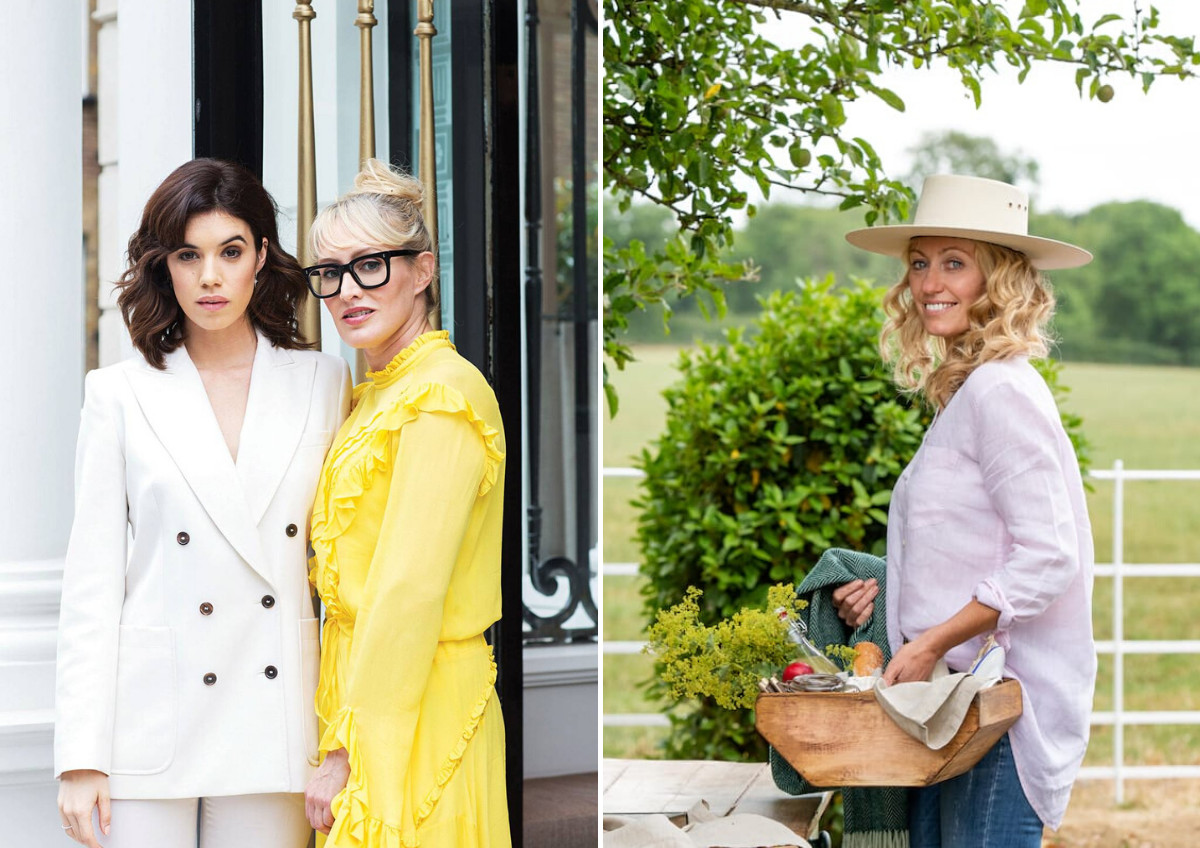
177, 408
281, 387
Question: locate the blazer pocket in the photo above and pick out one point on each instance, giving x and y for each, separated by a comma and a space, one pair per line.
146, 717
310, 661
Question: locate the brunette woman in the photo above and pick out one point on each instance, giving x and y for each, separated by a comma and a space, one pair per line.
188, 644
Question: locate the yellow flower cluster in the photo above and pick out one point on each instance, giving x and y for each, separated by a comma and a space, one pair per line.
725, 661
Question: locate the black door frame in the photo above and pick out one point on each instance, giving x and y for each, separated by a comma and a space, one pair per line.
485, 147
227, 81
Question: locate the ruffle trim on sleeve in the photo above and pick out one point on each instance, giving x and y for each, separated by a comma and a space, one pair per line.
437, 397
353, 825
328, 699
339, 729
369, 450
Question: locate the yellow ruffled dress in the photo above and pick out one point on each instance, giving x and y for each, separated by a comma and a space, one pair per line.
406, 532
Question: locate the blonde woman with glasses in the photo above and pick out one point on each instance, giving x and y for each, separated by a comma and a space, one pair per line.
406, 530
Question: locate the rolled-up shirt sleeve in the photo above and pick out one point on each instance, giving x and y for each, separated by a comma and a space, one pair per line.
1018, 452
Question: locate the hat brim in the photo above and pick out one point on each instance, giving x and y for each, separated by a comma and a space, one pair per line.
1044, 254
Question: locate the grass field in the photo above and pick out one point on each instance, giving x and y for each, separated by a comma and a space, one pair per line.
1147, 417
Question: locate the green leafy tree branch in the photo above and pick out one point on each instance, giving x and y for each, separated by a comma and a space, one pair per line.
699, 101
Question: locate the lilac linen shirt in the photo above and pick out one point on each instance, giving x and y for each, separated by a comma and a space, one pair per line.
992, 508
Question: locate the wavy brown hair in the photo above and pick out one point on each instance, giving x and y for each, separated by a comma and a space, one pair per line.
147, 299
1009, 319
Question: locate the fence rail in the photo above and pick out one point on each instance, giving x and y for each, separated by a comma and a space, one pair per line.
1118, 718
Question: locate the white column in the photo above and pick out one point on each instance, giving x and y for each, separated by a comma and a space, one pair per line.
41, 377
146, 107
114, 341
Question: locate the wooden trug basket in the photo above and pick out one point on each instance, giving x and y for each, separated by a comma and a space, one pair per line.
846, 739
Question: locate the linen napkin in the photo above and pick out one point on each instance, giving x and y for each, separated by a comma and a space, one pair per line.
703, 830
931, 711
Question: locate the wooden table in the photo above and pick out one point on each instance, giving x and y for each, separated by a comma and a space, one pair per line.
672, 787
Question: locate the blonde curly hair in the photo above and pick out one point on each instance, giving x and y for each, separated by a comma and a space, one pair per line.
383, 208
1009, 319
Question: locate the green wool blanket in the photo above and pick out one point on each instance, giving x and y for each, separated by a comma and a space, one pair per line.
874, 817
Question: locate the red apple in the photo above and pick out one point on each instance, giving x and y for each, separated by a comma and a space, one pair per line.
796, 669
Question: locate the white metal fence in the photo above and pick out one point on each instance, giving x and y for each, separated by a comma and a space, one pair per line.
1118, 718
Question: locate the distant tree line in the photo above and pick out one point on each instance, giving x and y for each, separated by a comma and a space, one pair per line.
1137, 302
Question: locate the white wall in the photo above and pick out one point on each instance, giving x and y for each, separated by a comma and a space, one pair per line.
562, 702
41, 372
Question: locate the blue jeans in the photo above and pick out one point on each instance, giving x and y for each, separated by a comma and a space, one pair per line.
983, 808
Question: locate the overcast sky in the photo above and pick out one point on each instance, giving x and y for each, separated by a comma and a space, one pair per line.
1137, 146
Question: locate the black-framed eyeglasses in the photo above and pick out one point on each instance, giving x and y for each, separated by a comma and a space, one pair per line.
370, 272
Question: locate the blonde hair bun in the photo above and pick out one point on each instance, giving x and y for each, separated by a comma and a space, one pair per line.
378, 177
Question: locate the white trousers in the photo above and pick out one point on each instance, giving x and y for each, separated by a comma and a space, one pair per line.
234, 821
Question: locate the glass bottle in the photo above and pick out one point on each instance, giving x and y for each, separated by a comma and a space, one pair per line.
809, 653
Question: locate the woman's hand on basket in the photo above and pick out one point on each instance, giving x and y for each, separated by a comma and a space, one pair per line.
914, 661
855, 601
329, 780
79, 792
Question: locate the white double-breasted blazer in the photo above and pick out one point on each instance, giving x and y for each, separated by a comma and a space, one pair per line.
188, 643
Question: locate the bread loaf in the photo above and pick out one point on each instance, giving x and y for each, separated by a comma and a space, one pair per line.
868, 659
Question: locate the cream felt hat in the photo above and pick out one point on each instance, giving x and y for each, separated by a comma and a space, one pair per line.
972, 208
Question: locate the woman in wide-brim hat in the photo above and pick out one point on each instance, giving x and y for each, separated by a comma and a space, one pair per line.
988, 530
